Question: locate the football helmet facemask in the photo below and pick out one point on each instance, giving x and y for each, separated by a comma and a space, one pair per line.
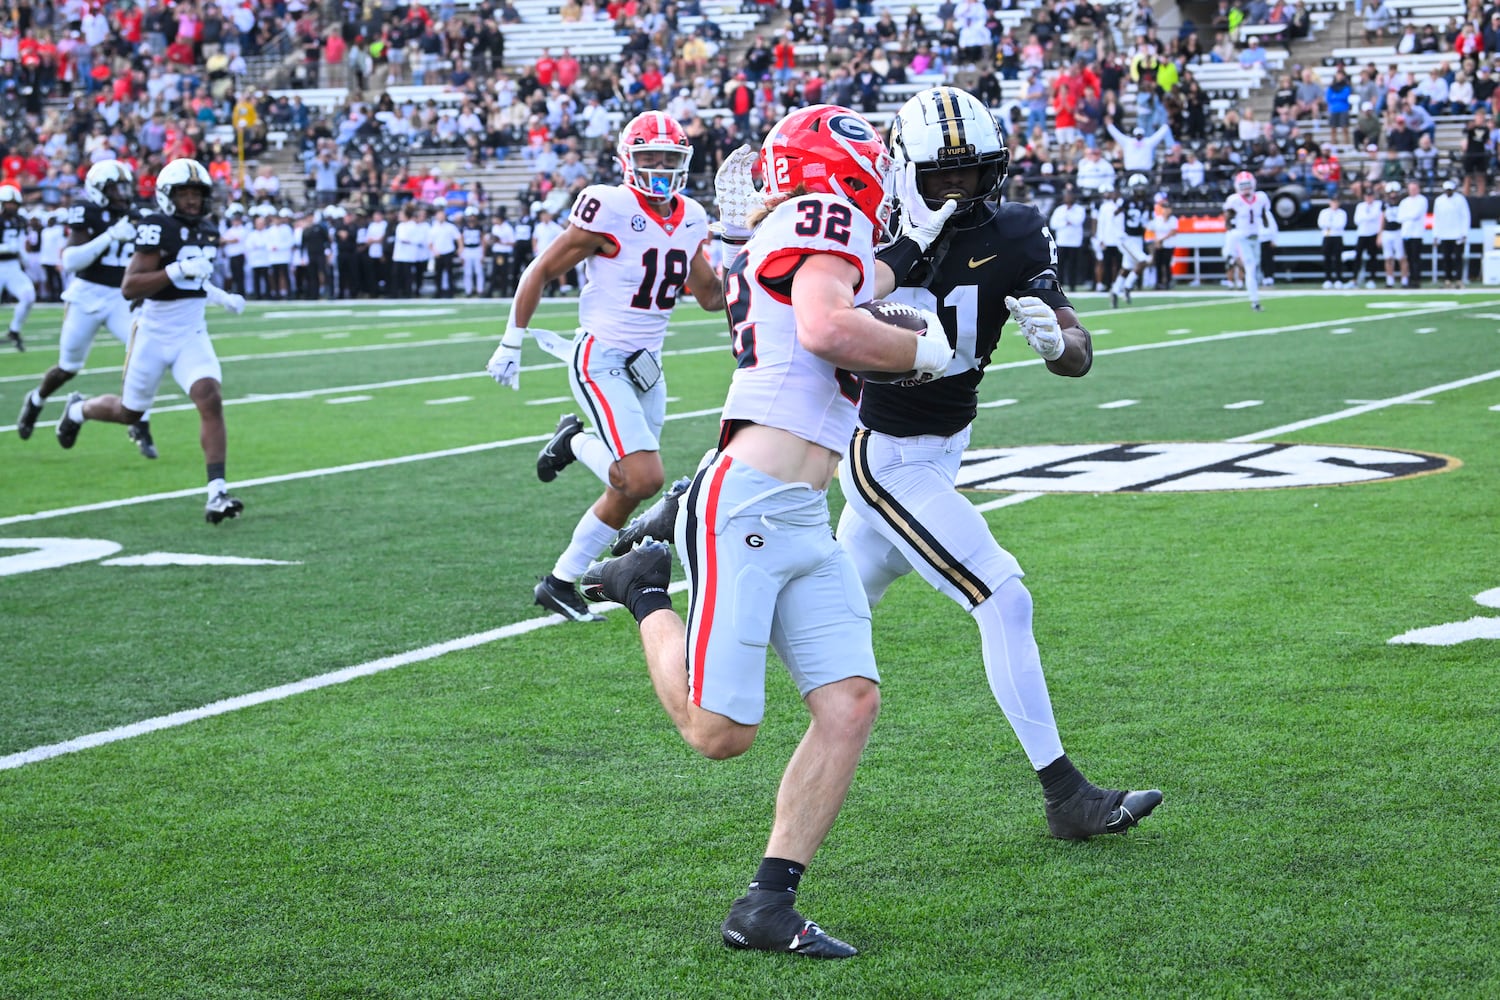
827, 149
182, 174
654, 155
1244, 182
944, 129
109, 184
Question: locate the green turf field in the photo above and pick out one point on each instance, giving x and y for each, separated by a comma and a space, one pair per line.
426, 788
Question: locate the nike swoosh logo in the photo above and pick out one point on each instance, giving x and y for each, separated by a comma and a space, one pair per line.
981, 263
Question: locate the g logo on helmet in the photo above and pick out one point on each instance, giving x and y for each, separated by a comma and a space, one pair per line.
851, 127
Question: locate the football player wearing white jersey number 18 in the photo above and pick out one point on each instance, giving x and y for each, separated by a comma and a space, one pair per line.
640, 242
752, 527
1247, 223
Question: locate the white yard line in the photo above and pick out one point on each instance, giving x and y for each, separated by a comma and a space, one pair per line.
182, 718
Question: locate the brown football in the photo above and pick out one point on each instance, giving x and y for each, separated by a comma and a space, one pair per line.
897, 314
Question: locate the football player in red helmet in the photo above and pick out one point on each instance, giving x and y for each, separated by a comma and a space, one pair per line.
654, 155
798, 336
826, 149
643, 241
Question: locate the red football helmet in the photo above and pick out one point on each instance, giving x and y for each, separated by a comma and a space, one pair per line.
663, 151
829, 150
1244, 182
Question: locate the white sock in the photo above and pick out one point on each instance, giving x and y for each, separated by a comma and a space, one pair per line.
1014, 668
590, 536
1130, 282
217, 486
36, 398
593, 453
75, 412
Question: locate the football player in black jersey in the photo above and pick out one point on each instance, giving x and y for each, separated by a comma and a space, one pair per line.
1135, 216
995, 261
13, 278
101, 238
173, 260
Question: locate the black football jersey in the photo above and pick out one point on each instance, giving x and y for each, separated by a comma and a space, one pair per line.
1002, 255
473, 237
12, 236
1137, 215
176, 240
1392, 218
109, 268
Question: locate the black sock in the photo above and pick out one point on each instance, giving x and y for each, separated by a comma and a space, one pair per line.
644, 601
215, 471
778, 875
1060, 779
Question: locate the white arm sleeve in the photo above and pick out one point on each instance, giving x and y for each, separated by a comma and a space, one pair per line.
76, 258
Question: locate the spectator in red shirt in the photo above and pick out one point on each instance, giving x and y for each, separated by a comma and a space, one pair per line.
567, 69
546, 69
651, 80
180, 52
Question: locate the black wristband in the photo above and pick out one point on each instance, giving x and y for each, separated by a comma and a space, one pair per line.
901, 257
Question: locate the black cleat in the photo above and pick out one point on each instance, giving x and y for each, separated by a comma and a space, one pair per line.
1255, 306
1128, 299
557, 456
67, 427
140, 433
26, 422
221, 506
14, 336
765, 920
562, 598
1114, 299
1091, 811
646, 567
659, 521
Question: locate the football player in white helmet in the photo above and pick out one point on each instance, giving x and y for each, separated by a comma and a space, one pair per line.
101, 238
1134, 217
995, 262
13, 277
169, 271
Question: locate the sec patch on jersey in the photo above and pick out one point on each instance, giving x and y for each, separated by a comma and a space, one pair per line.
900, 314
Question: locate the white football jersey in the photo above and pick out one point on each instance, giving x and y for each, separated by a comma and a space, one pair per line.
628, 296
778, 382
1249, 215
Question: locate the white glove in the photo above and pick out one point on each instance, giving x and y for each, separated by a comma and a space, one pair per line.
933, 352
189, 274
122, 231
505, 364
738, 198
922, 224
219, 297
1038, 325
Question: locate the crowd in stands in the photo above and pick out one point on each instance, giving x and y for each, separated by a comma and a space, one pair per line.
1088, 93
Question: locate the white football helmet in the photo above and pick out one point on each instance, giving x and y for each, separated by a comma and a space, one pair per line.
183, 173
1244, 182
109, 184
945, 128
1139, 184
10, 195
471, 212
234, 211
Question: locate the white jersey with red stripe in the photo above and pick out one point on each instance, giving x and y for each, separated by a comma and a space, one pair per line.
778, 382
628, 295
1249, 215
